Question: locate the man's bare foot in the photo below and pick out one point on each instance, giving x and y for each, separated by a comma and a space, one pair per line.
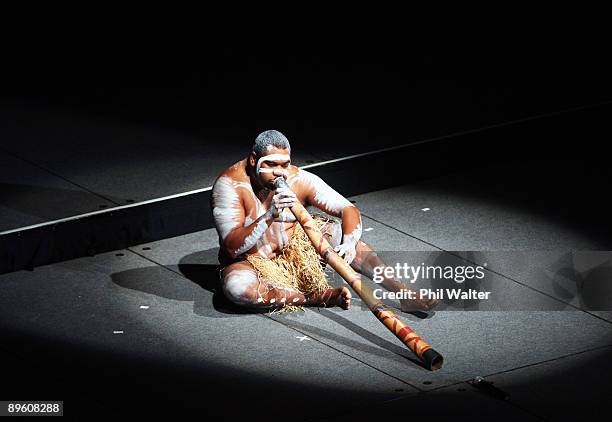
417, 304
340, 296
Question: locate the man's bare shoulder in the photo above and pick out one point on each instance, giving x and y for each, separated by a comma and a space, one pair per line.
293, 170
231, 180
299, 180
294, 174
297, 174
236, 172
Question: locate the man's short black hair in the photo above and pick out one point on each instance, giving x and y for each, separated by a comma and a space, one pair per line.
270, 138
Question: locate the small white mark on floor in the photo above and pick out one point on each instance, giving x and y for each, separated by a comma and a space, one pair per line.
144, 307
118, 332
369, 229
425, 209
302, 338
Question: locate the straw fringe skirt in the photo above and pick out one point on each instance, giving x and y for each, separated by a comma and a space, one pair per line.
299, 267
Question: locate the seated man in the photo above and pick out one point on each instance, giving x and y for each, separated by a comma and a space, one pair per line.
252, 218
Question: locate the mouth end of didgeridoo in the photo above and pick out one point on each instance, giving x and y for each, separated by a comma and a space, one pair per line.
432, 360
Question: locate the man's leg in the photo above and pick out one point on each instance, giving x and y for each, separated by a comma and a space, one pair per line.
364, 263
242, 286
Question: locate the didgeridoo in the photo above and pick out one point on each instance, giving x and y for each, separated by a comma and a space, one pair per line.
431, 359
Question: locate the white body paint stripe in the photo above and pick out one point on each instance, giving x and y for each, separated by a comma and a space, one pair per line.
237, 282
356, 234
227, 205
272, 171
324, 194
271, 157
252, 238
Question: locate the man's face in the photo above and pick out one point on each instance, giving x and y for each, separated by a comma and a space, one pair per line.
275, 163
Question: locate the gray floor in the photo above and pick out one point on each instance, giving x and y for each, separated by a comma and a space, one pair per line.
159, 302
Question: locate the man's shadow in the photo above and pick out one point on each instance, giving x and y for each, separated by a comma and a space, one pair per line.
208, 276
197, 281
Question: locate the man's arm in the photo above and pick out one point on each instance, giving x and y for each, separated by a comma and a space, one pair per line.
229, 216
325, 198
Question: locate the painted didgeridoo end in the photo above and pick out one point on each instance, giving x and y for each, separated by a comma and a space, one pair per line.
432, 360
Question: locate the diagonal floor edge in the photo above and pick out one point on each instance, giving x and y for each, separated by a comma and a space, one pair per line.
488, 269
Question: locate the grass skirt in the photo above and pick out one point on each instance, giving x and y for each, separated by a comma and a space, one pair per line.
299, 267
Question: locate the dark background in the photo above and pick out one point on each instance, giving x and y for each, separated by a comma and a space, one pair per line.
380, 86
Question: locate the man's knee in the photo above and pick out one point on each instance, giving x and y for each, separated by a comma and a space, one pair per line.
334, 234
239, 286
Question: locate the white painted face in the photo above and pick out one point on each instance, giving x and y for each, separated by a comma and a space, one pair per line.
278, 161
271, 157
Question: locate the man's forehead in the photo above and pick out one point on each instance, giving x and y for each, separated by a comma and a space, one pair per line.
276, 156
271, 160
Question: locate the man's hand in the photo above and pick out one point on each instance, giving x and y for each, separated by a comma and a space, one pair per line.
348, 248
283, 198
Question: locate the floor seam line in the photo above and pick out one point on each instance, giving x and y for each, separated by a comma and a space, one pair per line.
348, 355
17, 156
569, 355
488, 269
